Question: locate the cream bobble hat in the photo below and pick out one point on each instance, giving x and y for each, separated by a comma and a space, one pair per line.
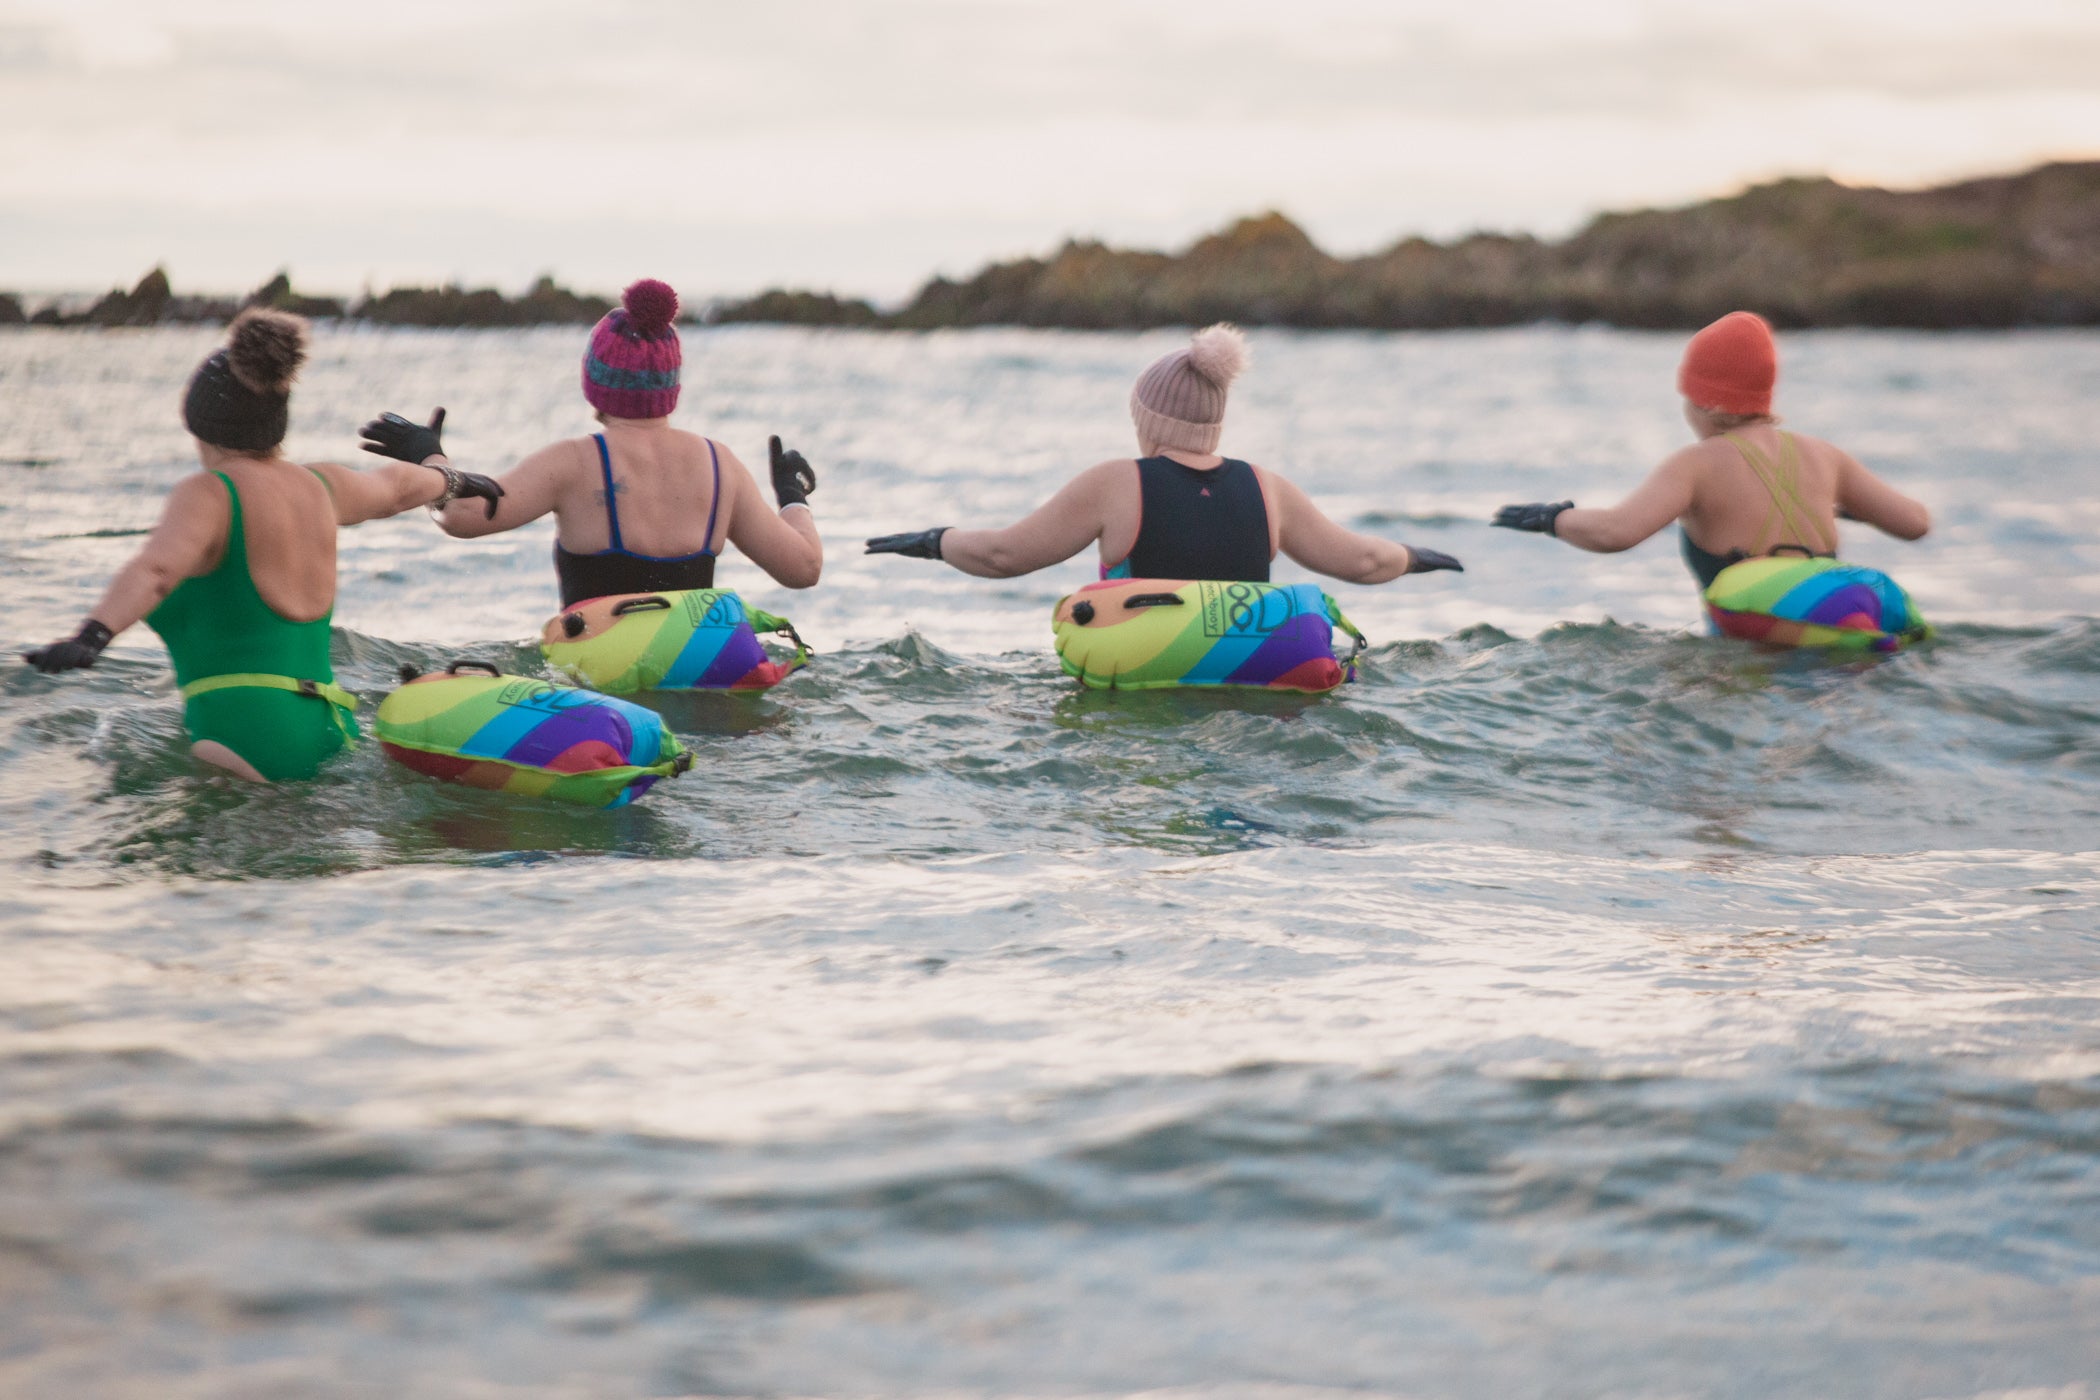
1180, 400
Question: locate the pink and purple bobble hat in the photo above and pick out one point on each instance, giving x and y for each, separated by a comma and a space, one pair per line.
631, 369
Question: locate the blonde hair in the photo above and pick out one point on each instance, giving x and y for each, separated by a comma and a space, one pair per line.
1729, 422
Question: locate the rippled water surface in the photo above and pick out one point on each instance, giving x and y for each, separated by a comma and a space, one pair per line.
1576, 1006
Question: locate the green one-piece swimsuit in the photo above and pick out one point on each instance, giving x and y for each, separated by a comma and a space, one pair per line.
252, 680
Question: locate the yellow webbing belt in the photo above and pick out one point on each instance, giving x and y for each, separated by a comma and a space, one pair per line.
1334, 615
339, 699
762, 621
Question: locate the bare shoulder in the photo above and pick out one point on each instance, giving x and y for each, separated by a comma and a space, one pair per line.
320, 475
1695, 458
724, 453
200, 490
1269, 476
1819, 447
571, 452
196, 515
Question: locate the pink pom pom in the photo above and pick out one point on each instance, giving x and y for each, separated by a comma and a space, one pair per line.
652, 305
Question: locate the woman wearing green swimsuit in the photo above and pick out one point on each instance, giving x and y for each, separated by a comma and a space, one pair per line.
238, 577
1746, 489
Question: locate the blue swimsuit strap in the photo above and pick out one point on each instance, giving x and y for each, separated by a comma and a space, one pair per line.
612, 512
707, 546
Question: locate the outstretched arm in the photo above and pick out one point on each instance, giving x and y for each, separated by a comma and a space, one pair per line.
1306, 534
417, 444
1052, 533
1662, 498
783, 542
378, 492
530, 490
185, 542
1865, 497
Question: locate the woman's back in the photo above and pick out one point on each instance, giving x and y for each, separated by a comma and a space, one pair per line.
288, 534
656, 486
1758, 487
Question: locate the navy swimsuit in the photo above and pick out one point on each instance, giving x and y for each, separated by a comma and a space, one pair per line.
1199, 524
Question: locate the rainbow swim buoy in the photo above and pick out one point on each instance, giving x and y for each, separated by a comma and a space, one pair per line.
1146, 634
513, 734
1794, 602
701, 639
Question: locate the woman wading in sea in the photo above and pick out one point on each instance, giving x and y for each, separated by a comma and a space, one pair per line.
238, 578
1747, 489
1179, 510
641, 507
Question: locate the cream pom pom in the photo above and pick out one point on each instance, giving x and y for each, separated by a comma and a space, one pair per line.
1219, 353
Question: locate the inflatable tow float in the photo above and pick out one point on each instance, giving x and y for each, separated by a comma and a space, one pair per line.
700, 639
1152, 634
530, 737
1787, 601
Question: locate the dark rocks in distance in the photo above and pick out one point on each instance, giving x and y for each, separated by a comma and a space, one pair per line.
545, 305
2013, 250
153, 303
277, 294
2006, 251
798, 309
143, 305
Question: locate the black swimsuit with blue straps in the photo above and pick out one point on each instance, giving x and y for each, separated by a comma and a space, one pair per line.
621, 570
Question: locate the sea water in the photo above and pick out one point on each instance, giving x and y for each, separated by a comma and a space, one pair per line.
1574, 1006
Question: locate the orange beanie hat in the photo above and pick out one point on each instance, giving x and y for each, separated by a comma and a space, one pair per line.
1731, 365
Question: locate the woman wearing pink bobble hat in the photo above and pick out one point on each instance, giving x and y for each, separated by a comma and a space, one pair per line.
641, 507
1179, 509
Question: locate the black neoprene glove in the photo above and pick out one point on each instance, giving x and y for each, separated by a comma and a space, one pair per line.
1537, 517
459, 484
793, 479
916, 544
72, 654
1428, 561
391, 435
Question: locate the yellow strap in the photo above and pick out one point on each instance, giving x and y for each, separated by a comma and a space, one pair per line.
1781, 480
1334, 615
338, 698
762, 621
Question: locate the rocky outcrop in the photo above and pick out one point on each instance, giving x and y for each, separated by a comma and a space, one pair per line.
2013, 250
546, 304
152, 302
277, 295
799, 309
143, 305
2007, 251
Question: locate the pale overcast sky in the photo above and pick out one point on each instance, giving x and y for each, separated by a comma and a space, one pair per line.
862, 144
